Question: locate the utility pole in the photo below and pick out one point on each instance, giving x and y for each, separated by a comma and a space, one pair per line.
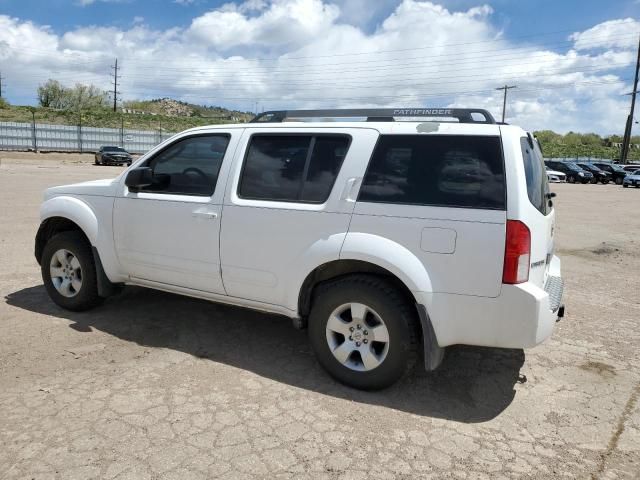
627, 131
115, 84
504, 102
1, 78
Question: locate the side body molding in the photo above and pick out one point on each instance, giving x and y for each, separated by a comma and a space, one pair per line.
389, 255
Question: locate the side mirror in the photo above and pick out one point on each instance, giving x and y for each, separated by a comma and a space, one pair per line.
139, 177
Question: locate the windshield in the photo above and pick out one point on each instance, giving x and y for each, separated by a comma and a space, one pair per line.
617, 168
573, 166
113, 149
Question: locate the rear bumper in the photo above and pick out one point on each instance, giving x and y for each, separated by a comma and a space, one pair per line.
522, 316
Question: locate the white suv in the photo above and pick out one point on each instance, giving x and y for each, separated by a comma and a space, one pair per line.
389, 239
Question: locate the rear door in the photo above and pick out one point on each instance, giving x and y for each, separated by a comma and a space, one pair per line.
287, 207
443, 198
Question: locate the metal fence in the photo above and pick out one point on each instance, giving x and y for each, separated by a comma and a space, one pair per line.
71, 138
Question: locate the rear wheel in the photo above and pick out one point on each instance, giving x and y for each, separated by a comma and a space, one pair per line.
625, 185
69, 272
96, 161
618, 181
605, 181
363, 331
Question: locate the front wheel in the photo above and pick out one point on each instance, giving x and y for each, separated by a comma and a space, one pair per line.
571, 179
604, 182
69, 272
363, 331
625, 185
618, 181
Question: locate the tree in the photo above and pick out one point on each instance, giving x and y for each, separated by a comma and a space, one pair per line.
3, 103
51, 94
80, 97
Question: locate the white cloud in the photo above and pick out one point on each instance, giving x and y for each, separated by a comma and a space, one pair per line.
612, 34
282, 22
305, 53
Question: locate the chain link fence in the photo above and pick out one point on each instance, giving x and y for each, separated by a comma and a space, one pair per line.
75, 138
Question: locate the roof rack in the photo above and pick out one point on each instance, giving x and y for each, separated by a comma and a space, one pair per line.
463, 115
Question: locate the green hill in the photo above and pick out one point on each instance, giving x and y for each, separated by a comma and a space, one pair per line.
166, 114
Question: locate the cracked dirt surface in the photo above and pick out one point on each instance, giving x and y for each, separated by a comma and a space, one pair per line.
157, 386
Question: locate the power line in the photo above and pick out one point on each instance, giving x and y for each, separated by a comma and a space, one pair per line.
281, 58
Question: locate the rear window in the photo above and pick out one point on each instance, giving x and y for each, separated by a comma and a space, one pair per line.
537, 182
436, 170
292, 168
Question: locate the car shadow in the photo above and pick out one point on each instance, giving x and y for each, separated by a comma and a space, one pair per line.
472, 385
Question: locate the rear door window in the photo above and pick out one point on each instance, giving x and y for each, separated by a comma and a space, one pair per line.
292, 168
537, 181
436, 170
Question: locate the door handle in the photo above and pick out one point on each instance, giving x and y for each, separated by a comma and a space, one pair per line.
205, 214
350, 188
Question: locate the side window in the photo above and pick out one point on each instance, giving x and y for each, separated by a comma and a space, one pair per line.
537, 182
436, 170
292, 168
189, 166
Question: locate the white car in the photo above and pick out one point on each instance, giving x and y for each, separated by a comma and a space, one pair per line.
555, 177
390, 240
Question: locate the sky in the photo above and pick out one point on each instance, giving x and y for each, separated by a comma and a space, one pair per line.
572, 61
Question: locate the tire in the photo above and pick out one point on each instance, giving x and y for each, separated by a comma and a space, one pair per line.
594, 180
571, 179
76, 288
604, 182
385, 307
618, 181
625, 185
96, 161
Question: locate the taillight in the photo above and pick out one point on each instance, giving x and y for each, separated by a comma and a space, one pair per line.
517, 253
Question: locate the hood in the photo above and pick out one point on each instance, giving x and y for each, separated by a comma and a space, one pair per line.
102, 188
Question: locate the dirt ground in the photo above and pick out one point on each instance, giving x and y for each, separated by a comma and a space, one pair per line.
153, 385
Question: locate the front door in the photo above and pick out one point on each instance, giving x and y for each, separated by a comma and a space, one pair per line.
169, 231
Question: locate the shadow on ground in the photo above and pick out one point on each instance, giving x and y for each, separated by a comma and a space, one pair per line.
472, 385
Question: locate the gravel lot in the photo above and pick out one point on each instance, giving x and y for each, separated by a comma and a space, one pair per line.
153, 385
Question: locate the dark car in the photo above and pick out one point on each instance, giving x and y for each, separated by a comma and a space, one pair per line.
617, 172
113, 156
573, 172
598, 174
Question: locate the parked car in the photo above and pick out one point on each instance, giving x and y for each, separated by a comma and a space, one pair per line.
632, 180
617, 172
554, 176
113, 156
598, 174
573, 172
384, 257
631, 168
